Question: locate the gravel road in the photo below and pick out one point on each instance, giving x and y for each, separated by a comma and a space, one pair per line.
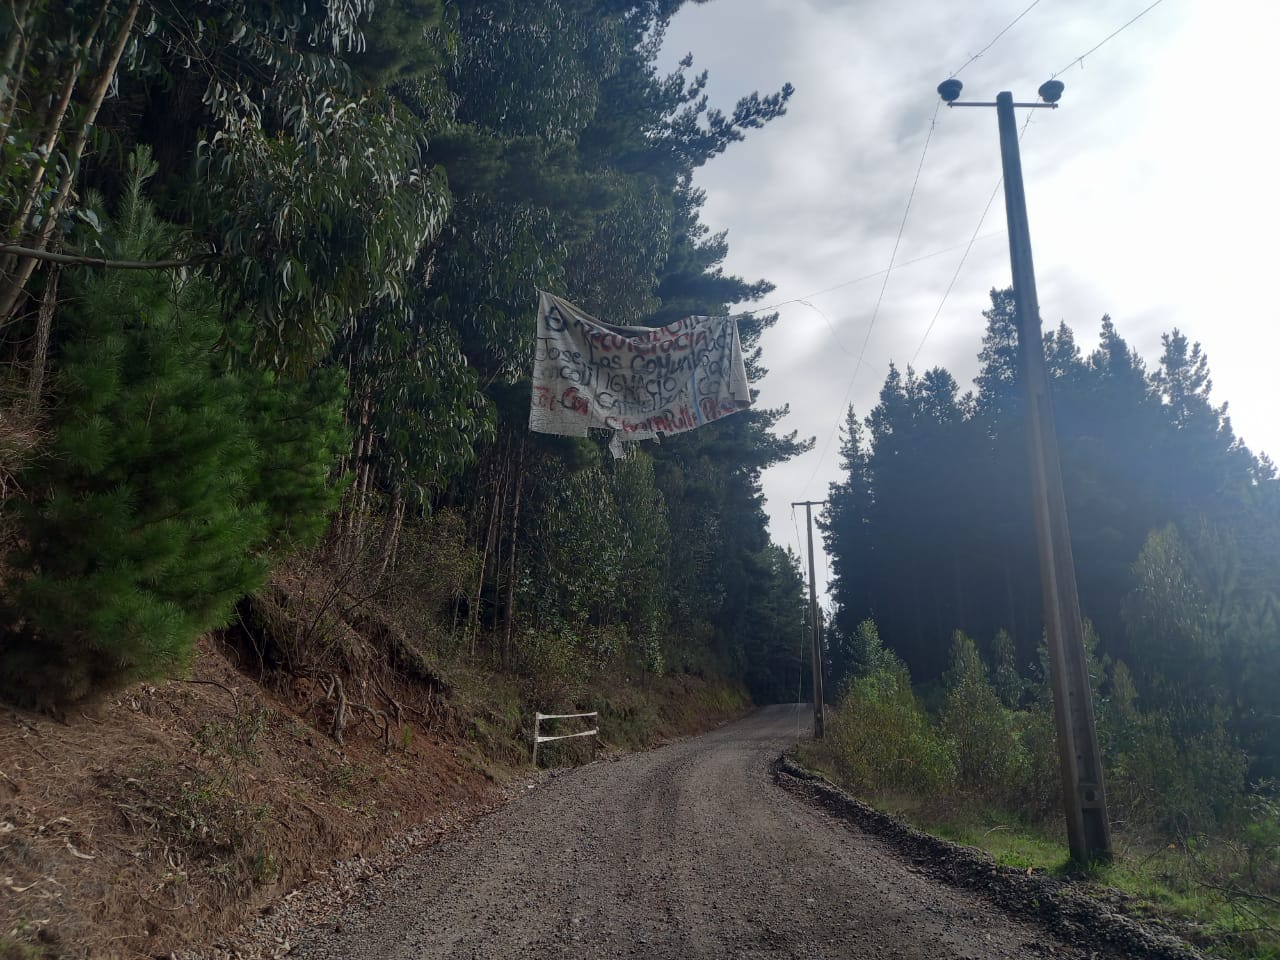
684, 852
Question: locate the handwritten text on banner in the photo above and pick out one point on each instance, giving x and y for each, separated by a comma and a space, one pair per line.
638, 381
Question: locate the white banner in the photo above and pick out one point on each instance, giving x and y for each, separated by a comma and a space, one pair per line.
638, 381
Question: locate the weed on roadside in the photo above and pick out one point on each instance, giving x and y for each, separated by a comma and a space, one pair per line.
12, 948
201, 828
235, 738
1218, 893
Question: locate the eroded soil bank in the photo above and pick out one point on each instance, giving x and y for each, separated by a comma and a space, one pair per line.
160, 820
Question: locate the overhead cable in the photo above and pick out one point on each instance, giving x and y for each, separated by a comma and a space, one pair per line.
1010, 26
1115, 33
965, 256
875, 312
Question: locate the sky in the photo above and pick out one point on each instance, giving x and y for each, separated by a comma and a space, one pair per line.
1152, 192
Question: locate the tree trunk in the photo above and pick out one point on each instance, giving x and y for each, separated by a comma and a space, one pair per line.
359, 466
364, 480
15, 62
1010, 610
44, 325
511, 560
501, 539
473, 617
958, 581
391, 532
53, 128
14, 285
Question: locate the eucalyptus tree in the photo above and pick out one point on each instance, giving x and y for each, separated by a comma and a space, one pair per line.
60, 61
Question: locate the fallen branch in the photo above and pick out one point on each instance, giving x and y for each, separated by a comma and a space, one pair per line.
84, 260
235, 701
1234, 891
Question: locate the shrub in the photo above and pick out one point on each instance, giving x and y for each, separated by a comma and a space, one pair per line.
1178, 780
990, 757
881, 738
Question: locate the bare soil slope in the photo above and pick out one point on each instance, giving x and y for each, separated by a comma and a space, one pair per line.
158, 821
162, 816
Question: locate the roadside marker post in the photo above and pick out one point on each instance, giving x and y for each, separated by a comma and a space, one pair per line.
537, 729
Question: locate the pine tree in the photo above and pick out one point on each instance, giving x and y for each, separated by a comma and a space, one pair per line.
152, 512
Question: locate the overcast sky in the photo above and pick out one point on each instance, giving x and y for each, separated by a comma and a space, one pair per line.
1152, 193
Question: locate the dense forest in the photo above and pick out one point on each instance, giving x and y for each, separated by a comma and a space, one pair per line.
1175, 530
267, 289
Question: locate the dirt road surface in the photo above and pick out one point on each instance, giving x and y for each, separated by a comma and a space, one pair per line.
689, 851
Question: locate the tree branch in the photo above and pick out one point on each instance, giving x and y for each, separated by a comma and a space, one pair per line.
81, 260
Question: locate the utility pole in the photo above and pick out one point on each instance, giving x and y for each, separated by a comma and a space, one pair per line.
1084, 799
819, 702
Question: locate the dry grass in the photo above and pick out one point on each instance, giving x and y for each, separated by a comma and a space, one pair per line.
20, 436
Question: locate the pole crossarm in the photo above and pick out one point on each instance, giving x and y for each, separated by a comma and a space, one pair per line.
993, 103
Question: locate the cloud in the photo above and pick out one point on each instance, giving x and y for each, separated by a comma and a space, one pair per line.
1150, 192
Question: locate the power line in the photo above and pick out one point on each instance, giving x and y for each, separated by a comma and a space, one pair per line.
862, 279
1080, 60
831, 326
1010, 26
862, 352
902, 226
965, 256
893, 256
1109, 37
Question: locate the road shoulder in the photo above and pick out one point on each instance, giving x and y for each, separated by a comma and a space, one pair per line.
1069, 914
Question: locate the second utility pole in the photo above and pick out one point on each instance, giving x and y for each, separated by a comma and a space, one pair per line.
819, 708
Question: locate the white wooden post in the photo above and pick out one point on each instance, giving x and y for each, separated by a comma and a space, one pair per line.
537, 728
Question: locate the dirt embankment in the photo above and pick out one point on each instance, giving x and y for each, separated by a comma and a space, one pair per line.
162, 818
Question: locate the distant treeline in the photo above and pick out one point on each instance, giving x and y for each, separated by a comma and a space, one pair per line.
1175, 529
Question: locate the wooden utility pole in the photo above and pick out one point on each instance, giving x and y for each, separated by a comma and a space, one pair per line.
819, 702
1080, 760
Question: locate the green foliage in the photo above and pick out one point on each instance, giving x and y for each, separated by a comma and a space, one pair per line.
989, 753
1008, 682
880, 738
932, 525
313, 231
1175, 526
298, 436
157, 505
1165, 774
437, 569
373, 192
859, 654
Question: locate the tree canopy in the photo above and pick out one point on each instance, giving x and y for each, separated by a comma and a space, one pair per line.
364, 199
